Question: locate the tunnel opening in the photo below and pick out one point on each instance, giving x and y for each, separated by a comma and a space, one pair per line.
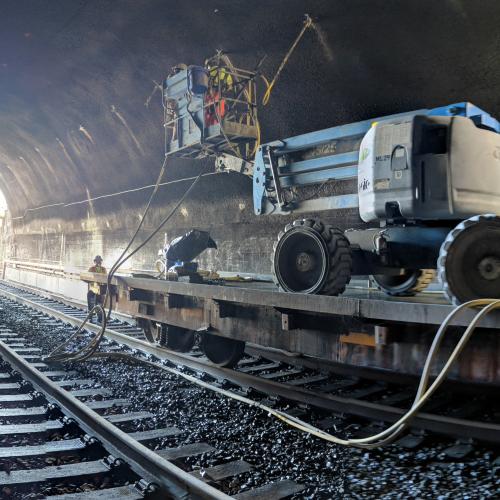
3, 204
4, 231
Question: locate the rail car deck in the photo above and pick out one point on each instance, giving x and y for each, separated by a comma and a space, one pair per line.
361, 328
429, 308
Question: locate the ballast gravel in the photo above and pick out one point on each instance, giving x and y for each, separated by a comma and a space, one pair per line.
274, 450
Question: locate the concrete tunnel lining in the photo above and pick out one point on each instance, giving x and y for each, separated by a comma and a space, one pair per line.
74, 77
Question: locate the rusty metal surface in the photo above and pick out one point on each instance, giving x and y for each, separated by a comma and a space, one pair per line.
486, 431
428, 309
401, 350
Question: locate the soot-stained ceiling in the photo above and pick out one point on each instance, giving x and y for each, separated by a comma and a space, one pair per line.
75, 76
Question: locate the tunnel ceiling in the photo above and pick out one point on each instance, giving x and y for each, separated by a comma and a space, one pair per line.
75, 76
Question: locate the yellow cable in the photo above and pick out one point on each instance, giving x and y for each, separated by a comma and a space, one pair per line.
307, 24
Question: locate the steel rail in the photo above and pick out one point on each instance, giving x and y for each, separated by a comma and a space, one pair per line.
359, 372
171, 480
483, 431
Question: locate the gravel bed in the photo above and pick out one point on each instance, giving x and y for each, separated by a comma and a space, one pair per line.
276, 451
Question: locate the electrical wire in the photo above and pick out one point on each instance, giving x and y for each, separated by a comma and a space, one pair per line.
422, 395
109, 195
383, 438
98, 309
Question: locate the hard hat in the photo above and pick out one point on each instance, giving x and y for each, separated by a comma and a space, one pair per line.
97, 257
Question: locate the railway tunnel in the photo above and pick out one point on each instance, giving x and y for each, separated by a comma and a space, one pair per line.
75, 127
302, 285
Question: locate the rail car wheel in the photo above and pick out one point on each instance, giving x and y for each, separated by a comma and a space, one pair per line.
311, 257
222, 351
407, 284
177, 338
148, 327
469, 260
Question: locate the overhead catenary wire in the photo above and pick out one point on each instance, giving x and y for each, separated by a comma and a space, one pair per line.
110, 195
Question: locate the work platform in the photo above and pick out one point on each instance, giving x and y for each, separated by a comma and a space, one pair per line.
430, 308
361, 327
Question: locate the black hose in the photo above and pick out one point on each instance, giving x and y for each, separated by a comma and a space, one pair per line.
88, 350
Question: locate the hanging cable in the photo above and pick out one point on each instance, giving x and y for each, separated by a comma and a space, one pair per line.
392, 432
308, 22
98, 308
58, 354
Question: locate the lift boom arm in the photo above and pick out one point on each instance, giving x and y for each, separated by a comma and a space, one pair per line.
330, 154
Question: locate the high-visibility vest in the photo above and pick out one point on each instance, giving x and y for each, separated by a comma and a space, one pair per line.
222, 75
213, 113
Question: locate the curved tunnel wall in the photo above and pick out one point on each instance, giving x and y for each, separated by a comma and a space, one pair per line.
75, 76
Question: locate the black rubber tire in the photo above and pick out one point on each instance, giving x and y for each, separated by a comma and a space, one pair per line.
406, 285
337, 268
222, 351
465, 247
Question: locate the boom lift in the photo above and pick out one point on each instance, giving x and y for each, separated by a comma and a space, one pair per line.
430, 179
428, 186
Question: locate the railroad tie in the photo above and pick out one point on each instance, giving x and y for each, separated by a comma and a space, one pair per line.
10, 388
37, 428
188, 450
121, 492
272, 491
105, 404
222, 471
150, 435
73, 382
33, 412
51, 447
95, 391
128, 417
58, 472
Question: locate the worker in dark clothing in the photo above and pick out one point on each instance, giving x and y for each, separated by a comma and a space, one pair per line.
94, 295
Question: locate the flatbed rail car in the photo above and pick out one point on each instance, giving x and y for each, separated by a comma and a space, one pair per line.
360, 329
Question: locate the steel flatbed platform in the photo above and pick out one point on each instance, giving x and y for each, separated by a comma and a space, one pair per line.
362, 327
429, 308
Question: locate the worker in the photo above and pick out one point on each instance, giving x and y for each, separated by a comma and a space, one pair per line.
94, 295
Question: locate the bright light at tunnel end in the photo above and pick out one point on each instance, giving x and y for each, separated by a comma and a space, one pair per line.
3, 204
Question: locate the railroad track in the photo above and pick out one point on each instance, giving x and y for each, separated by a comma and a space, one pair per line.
286, 380
51, 416
45, 421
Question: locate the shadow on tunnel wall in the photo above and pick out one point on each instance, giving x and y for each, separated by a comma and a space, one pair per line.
75, 77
